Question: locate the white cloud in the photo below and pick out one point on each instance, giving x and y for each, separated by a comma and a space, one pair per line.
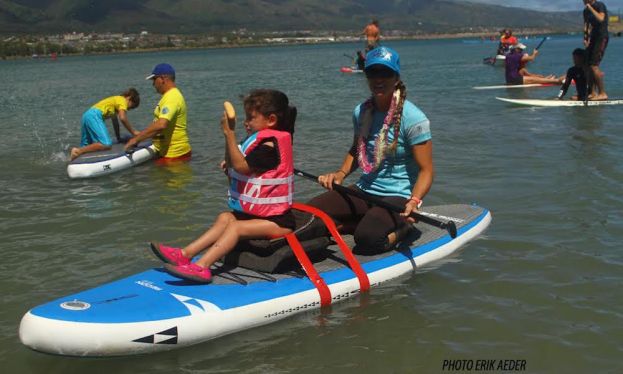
614, 6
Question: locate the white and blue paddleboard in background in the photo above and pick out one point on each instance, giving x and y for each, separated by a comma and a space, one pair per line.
559, 103
95, 164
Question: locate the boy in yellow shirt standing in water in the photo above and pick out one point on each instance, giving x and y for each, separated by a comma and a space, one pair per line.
95, 136
168, 128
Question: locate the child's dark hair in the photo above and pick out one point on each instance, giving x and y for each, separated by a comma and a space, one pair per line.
267, 102
132, 93
580, 52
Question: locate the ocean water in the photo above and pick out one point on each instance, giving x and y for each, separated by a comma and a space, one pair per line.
543, 284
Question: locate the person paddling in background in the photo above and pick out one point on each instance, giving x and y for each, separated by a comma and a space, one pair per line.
360, 61
517, 60
393, 148
168, 128
95, 136
596, 42
576, 73
372, 33
260, 171
507, 41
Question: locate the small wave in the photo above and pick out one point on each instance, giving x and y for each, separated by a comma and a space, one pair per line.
58, 157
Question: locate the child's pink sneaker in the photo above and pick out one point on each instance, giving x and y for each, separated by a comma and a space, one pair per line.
191, 272
169, 255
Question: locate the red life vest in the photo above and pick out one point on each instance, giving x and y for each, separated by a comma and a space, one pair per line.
508, 42
269, 193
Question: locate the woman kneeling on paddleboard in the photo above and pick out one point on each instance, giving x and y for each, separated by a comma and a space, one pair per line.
393, 148
260, 172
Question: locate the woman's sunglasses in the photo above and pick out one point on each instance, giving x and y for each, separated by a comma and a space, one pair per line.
379, 72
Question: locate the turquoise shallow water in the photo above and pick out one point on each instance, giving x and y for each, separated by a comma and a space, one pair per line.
543, 284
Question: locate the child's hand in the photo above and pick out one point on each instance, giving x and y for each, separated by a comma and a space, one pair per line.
75, 152
227, 125
224, 167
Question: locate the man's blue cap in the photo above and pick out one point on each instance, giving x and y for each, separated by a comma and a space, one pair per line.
383, 56
161, 69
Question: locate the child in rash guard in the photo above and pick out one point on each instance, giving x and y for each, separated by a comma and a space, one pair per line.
576, 73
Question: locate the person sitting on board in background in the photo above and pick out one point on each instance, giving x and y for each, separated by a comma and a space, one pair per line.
507, 41
168, 129
372, 32
513, 65
393, 148
360, 61
523, 70
260, 171
576, 73
95, 136
596, 41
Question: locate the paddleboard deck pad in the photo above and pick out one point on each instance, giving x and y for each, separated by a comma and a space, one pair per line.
95, 164
559, 103
154, 311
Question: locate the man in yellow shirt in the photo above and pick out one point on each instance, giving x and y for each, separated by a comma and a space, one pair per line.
168, 128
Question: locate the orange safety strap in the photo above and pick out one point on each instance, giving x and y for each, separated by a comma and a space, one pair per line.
364, 282
310, 270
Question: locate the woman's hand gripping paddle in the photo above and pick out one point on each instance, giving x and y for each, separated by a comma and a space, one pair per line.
449, 226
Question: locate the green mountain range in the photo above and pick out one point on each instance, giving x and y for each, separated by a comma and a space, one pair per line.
199, 16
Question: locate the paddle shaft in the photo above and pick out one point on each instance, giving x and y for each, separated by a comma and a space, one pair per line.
541, 43
449, 226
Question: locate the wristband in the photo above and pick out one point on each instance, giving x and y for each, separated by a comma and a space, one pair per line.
417, 200
343, 172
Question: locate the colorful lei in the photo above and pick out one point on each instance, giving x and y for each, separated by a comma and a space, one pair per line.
381, 143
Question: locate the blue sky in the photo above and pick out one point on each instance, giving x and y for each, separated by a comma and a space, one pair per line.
553, 5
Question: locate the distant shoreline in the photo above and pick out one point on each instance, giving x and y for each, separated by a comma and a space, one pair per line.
484, 36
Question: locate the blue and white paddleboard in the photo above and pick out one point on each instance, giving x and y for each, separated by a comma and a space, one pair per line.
154, 311
95, 164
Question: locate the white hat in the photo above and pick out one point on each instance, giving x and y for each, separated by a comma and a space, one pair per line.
520, 46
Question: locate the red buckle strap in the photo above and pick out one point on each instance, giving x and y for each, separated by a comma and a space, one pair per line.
310, 270
364, 282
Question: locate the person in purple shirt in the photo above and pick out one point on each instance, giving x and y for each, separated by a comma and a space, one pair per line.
516, 60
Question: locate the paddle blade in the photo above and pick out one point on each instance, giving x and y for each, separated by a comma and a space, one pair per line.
451, 227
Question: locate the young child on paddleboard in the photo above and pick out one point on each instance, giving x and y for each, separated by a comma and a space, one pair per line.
95, 136
260, 171
576, 73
